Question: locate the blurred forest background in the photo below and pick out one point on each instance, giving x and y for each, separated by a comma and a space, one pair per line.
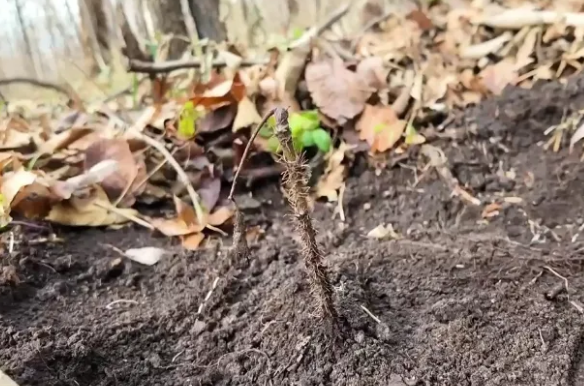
86, 43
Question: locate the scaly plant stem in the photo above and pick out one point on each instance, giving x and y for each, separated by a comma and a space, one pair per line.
296, 188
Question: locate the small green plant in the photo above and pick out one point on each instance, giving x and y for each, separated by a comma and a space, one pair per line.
306, 132
187, 120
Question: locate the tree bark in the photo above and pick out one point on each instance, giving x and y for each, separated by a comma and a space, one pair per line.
169, 21
206, 15
94, 34
26, 39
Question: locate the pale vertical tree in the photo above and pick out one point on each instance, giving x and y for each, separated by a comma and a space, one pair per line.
26, 39
94, 35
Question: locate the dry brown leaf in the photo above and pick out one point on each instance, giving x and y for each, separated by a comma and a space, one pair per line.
330, 184
129, 173
423, 21
89, 211
15, 133
524, 52
217, 119
497, 76
220, 216
491, 210
63, 140
247, 115
334, 174
219, 92
339, 93
13, 182
373, 72
192, 241
184, 223
380, 127
290, 69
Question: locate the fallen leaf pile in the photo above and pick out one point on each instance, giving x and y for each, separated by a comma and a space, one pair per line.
178, 140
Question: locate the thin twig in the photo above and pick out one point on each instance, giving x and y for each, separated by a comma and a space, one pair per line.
558, 275
121, 213
184, 178
370, 314
173, 65
246, 151
110, 305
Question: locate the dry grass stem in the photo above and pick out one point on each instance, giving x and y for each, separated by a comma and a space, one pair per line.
240, 249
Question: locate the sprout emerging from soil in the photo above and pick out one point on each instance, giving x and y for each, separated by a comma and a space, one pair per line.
295, 184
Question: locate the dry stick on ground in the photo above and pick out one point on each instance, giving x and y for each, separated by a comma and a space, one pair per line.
296, 189
240, 247
173, 65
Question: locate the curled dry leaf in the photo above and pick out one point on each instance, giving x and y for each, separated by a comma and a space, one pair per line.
95, 175
380, 127
220, 216
289, 71
184, 223
334, 175
373, 72
10, 185
383, 231
91, 210
219, 92
339, 93
126, 178
247, 115
491, 210
209, 191
217, 119
145, 255
192, 241
497, 76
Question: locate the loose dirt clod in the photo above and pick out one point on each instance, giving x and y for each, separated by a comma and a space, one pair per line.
296, 190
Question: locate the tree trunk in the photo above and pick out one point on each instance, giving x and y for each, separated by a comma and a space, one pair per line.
206, 15
94, 34
169, 21
26, 40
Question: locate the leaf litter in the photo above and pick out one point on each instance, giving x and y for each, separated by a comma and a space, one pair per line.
402, 73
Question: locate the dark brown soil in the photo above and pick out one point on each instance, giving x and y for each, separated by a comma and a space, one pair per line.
457, 301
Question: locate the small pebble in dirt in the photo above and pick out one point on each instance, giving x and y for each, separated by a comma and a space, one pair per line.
360, 337
366, 206
198, 327
154, 360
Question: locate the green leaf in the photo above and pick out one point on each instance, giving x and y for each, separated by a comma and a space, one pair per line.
322, 139
186, 123
297, 143
273, 145
303, 121
307, 138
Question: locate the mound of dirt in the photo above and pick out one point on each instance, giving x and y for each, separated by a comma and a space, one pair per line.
457, 300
